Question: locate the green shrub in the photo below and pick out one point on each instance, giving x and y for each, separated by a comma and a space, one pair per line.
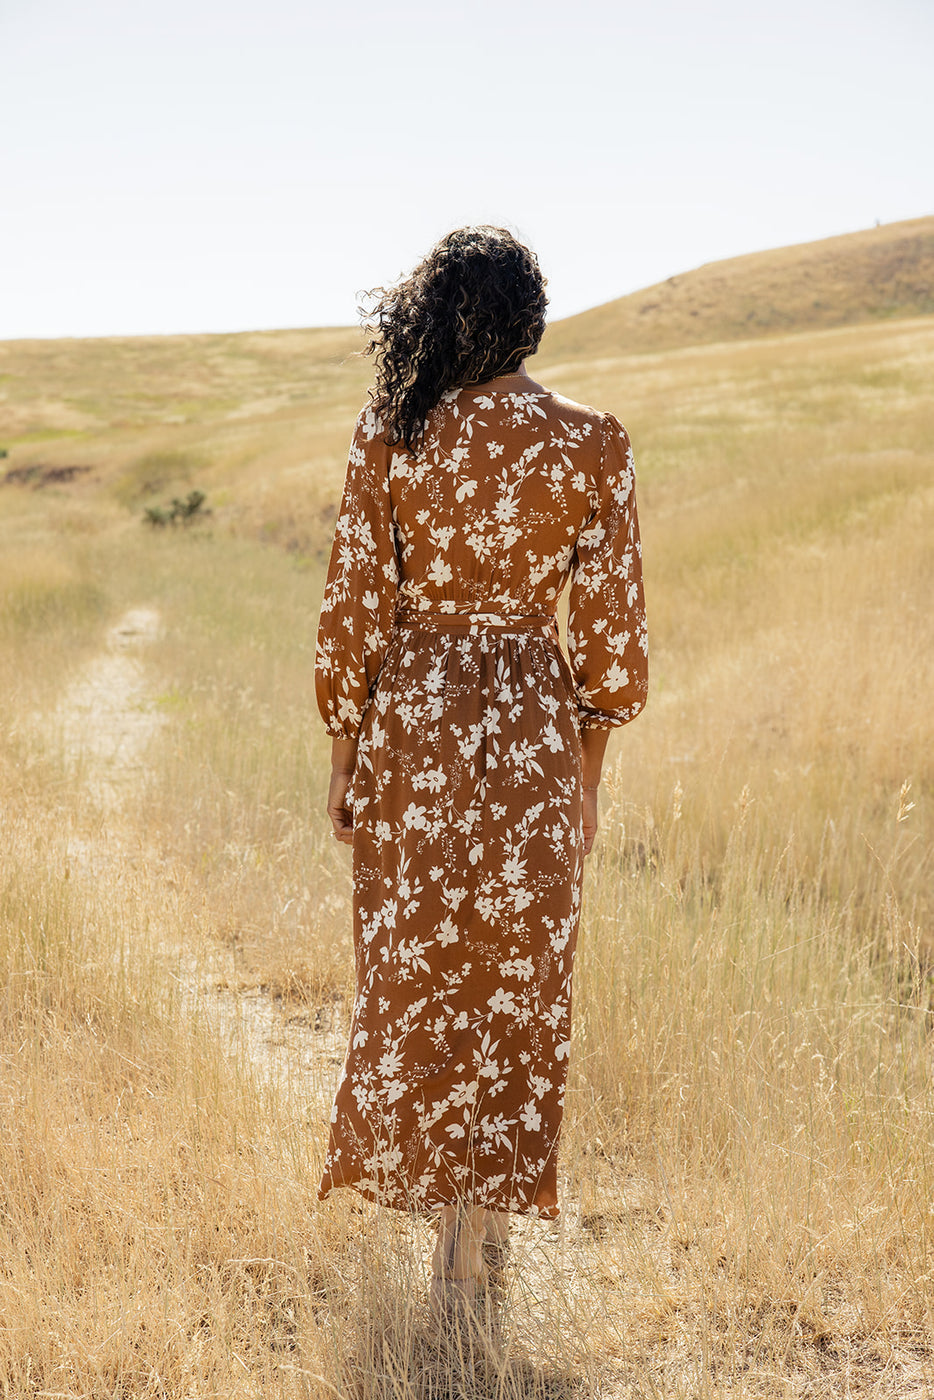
179, 512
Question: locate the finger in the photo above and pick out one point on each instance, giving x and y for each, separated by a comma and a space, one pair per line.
342, 822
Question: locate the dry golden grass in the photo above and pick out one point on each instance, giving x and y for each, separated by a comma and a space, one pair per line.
748, 1170
259, 421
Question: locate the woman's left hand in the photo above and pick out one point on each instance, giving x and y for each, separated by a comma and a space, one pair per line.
340, 814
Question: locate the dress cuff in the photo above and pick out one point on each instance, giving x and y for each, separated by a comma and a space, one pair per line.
599, 719
340, 731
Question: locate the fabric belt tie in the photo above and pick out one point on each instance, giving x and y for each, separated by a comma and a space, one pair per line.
474, 623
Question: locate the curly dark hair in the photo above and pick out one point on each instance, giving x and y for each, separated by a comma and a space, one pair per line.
472, 310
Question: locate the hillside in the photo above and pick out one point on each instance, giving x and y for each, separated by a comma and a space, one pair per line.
259, 420
875, 274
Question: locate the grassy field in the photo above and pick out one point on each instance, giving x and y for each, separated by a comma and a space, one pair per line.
747, 1166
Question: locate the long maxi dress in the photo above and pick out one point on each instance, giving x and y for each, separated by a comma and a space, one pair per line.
438, 650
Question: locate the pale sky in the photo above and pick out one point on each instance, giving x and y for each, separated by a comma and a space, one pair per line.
207, 165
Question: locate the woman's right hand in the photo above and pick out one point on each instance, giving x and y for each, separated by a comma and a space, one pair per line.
589, 811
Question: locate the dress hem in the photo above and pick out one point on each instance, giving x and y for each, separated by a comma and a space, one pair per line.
430, 1207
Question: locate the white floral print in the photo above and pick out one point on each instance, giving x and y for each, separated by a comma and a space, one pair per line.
437, 649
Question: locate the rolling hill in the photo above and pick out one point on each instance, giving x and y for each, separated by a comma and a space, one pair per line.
878, 273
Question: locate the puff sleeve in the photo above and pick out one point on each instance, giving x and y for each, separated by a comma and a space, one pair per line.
362, 582
607, 641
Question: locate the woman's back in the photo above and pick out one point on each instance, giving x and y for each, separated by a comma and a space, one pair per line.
467, 746
488, 513
513, 488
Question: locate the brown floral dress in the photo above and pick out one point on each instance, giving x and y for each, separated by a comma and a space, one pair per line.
438, 649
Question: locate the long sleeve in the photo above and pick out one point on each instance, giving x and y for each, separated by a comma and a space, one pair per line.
607, 641
362, 582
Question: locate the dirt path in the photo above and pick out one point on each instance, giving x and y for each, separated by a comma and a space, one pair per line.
104, 722
105, 718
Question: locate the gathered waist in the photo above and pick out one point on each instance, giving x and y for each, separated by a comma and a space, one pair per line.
474, 623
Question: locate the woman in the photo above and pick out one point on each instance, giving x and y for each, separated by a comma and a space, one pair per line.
466, 750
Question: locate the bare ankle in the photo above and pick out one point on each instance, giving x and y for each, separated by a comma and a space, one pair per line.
459, 1251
